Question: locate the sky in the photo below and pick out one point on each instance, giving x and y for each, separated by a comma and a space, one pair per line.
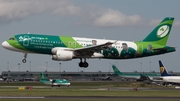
130, 20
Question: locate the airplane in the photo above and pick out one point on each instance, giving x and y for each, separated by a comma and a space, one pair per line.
137, 76
66, 48
55, 82
166, 77
2, 78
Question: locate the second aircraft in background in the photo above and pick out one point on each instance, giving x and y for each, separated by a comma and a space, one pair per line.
54, 82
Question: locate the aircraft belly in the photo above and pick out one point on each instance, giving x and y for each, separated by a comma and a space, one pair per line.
174, 80
63, 84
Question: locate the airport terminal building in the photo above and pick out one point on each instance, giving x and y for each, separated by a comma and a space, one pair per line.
75, 76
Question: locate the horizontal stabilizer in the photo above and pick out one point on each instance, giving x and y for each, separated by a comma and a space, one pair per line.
164, 49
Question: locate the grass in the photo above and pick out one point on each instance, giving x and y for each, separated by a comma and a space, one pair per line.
74, 100
84, 89
83, 84
78, 92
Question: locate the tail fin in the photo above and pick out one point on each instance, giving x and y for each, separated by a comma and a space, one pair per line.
163, 70
160, 34
116, 70
42, 76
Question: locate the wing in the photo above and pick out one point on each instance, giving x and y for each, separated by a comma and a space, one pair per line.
89, 51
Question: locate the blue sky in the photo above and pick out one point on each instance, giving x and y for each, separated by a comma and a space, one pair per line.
111, 19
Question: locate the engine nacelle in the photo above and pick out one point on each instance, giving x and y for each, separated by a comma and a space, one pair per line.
62, 55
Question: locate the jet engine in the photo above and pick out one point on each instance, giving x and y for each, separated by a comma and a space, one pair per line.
62, 55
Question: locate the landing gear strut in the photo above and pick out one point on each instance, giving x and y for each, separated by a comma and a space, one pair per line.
25, 56
83, 64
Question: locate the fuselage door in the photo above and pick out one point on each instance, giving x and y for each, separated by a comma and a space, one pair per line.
140, 48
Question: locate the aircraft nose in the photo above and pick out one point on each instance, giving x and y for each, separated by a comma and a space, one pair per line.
5, 44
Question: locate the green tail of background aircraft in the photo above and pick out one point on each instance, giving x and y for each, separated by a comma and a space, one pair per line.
137, 76
55, 82
65, 48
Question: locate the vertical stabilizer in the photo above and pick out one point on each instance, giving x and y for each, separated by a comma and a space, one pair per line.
116, 70
163, 70
161, 33
42, 76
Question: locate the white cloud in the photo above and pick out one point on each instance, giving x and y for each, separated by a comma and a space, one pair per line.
112, 18
154, 22
12, 10
68, 9
157, 21
16, 10
177, 23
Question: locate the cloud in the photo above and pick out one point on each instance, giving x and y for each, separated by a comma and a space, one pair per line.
14, 10
113, 18
155, 22
17, 10
176, 23
67, 9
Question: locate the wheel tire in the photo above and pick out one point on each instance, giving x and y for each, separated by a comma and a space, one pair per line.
81, 64
24, 60
86, 64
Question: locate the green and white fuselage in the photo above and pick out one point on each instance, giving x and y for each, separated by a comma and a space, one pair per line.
54, 82
64, 48
134, 75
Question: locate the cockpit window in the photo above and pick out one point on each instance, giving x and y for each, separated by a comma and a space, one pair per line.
12, 38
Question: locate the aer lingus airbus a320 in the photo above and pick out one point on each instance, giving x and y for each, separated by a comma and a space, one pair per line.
64, 48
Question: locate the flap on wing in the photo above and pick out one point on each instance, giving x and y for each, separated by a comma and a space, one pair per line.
91, 49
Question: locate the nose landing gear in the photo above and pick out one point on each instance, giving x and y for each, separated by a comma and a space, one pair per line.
25, 56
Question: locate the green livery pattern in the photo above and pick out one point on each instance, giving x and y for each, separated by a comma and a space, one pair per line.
163, 28
53, 82
116, 71
153, 44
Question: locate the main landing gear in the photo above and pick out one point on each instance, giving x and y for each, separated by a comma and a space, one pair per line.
83, 64
25, 56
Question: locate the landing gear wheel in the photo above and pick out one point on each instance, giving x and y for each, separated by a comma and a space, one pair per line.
86, 64
81, 64
25, 56
58, 85
24, 60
